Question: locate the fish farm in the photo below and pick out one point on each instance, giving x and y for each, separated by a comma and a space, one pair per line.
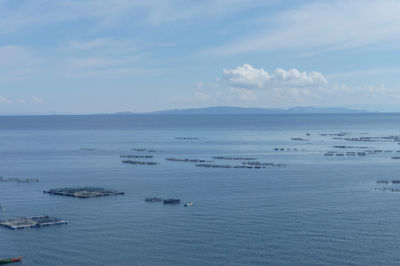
136, 156
154, 199
139, 162
19, 180
30, 222
172, 201
84, 192
244, 165
382, 182
299, 139
138, 149
233, 158
187, 160
394, 188
263, 164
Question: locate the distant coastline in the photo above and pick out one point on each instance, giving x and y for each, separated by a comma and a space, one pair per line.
222, 110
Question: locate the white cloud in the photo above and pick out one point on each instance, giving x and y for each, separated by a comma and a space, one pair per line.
365, 73
332, 95
22, 101
246, 85
324, 25
103, 46
121, 13
36, 100
249, 77
16, 56
244, 95
201, 96
17, 63
94, 62
4, 99
249, 86
95, 43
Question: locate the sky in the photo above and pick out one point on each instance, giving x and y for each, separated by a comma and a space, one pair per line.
105, 56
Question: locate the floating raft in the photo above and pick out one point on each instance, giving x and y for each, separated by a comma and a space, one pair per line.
382, 182
142, 149
84, 192
30, 222
392, 189
172, 201
233, 158
139, 162
154, 199
136, 156
263, 164
244, 165
138, 149
188, 160
299, 139
19, 180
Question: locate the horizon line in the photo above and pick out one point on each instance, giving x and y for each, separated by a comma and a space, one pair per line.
274, 111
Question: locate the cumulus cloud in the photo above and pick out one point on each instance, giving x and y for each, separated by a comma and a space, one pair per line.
245, 84
248, 77
37, 100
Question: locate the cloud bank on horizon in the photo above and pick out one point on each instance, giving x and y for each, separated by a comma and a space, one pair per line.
90, 56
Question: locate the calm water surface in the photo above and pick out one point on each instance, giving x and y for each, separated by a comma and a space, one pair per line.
318, 210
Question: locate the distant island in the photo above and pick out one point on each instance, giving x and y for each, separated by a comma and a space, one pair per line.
222, 110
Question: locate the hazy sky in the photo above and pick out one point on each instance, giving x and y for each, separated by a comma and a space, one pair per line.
90, 56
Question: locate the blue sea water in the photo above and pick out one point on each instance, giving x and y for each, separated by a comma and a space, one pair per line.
316, 210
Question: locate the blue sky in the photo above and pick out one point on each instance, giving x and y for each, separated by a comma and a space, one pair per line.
100, 56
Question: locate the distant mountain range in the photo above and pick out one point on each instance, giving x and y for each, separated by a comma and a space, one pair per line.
220, 110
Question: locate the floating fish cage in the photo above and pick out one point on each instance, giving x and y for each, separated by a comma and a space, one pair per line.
31, 222
234, 158
153, 199
243, 166
83, 192
139, 162
136, 156
19, 180
188, 160
172, 201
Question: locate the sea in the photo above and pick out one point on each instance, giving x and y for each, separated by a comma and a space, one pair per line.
314, 198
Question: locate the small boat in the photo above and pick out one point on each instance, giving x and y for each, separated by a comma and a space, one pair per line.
188, 204
9, 260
